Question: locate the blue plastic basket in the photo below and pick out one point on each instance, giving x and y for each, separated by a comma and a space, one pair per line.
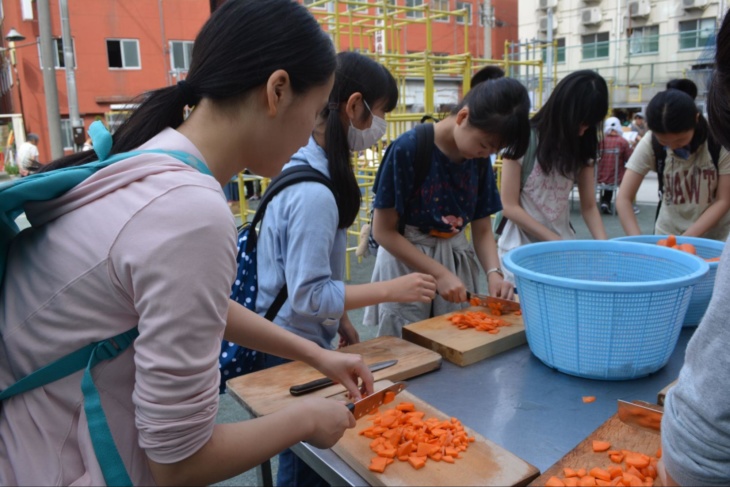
707, 249
603, 309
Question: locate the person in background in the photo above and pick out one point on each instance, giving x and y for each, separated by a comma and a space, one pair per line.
696, 421
307, 255
27, 159
566, 131
458, 189
696, 173
638, 124
149, 243
615, 152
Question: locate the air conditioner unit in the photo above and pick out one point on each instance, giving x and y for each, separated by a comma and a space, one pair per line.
694, 4
591, 16
639, 8
546, 4
543, 24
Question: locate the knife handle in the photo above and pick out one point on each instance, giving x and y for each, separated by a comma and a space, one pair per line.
310, 386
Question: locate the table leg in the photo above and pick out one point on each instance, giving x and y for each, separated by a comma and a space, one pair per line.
263, 474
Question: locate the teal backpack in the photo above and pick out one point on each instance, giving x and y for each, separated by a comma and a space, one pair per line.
47, 186
528, 164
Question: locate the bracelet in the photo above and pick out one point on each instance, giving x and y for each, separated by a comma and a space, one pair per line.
498, 270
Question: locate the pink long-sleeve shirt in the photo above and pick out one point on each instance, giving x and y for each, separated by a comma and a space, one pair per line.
147, 242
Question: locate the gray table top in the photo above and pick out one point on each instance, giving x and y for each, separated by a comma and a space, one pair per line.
517, 402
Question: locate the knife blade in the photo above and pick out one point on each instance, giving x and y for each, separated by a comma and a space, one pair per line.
641, 414
374, 400
506, 304
317, 384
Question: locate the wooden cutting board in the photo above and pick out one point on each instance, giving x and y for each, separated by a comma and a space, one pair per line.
267, 391
621, 436
483, 463
465, 347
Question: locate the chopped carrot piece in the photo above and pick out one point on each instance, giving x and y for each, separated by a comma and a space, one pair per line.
581, 472
378, 464
554, 482
569, 472
587, 481
389, 397
599, 473
589, 399
601, 446
636, 460
603, 483
618, 458
671, 241
571, 481
659, 452
417, 462
713, 259
405, 406
615, 471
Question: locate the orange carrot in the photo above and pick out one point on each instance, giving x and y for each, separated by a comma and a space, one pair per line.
389, 397
599, 473
554, 482
378, 464
671, 241
589, 399
600, 446
713, 259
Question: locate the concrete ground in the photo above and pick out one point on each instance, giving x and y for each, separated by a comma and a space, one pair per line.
231, 411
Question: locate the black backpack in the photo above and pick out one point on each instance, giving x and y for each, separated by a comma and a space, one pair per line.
234, 359
660, 154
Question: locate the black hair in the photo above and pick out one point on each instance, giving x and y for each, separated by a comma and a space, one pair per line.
581, 98
500, 107
236, 50
355, 73
683, 84
486, 73
674, 111
718, 96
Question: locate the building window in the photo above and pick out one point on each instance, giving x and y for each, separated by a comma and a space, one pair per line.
414, 14
379, 2
67, 135
443, 6
696, 34
310, 2
360, 8
558, 54
467, 7
595, 46
59, 62
181, 52
645, 40
123, 53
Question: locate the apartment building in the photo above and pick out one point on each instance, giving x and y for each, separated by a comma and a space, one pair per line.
637, 45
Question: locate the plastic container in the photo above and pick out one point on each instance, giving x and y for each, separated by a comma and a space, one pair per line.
603, 309
706, 249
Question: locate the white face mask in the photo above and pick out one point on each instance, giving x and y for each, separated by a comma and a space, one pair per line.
360, 139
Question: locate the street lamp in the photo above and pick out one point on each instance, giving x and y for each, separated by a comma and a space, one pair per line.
12, 37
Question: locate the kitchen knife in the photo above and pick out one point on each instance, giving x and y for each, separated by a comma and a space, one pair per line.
506, 304
314, 385
640, 413
374, 400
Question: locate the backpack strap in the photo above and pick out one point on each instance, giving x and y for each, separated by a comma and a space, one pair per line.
290, 176
85, 359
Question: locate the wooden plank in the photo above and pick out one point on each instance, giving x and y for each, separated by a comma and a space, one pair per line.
663, 393
621, 436
267, 391
465, 347
483, 463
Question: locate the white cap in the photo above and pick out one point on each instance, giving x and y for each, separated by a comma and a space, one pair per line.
612, 123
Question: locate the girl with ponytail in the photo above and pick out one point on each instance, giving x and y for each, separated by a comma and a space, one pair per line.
303, 238
148, 244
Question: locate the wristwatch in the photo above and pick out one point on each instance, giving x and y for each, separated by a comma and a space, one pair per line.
498, 270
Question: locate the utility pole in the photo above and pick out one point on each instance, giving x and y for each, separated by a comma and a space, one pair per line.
77, 125
49, 79
487, 19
